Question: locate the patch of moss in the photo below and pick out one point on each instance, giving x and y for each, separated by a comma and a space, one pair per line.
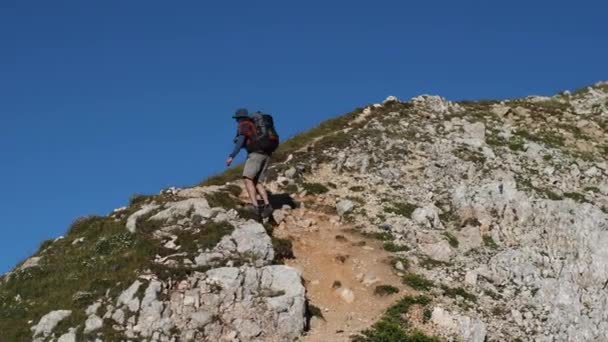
448, 216
401, 208
575, 196
429, 263
404, 262
357, 188
385, 290
452, 240
458, 292
489, 242
315, 188
547, 137
393, 247
290, 188
418, 282
382, 236
222, 199
471, 156
283, 249
233, 189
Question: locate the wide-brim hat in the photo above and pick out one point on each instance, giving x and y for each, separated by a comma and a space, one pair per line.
241, 113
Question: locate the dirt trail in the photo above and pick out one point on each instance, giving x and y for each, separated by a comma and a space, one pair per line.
327, 253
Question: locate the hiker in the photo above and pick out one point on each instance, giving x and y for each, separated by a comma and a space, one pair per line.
257, 135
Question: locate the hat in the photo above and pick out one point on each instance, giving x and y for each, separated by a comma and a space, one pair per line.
241, 113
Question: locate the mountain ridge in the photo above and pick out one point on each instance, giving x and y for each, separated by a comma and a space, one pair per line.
473, 196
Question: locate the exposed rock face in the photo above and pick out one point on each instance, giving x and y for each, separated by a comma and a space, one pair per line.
250, 241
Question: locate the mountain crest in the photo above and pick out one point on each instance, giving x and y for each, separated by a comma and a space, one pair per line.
421, 220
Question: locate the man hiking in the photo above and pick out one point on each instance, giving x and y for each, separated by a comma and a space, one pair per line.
257, 135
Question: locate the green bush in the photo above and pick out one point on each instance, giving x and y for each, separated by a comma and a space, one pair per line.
393, 326
385, 290
452, 240
489, 242
404, 209
283, 249
393, 247
458, 291
418, 282
315, 188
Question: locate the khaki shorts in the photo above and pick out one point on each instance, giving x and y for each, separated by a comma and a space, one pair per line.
256, 166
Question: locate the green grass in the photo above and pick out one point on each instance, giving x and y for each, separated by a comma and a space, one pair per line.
283, 249
223, 200
549, 138
458, 292
429, 263
113, 262
234, 189
575, 196
385, 290
489, 242
405, 262
315, 188
109, 258
452, 240
394, 327
471, 156
382, 236
401, 208
393, 247
417, 282
227, 176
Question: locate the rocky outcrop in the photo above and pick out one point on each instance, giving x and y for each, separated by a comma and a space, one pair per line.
48, 322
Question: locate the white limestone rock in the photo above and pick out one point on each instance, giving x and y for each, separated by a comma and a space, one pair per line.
132, 220
49, 321
344, 207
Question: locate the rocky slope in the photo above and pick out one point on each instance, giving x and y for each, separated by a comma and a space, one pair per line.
495, 214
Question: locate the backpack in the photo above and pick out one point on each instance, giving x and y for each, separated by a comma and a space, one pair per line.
265, 138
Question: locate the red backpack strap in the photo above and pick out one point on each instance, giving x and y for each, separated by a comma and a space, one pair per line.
247, 128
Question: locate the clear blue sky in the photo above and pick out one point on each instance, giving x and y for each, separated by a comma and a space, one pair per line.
103, 99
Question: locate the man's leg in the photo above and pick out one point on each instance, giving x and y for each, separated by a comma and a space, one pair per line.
250, 187
263, 193
253, 166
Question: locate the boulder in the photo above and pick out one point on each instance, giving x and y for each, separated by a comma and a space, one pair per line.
344, 207
49, 321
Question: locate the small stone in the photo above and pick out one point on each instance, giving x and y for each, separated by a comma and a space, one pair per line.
390, 99
344, 207
399, 266
346, 295
470, 278
93, 323
370, 279
291, 172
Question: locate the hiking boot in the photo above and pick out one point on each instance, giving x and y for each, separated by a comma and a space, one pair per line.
266, 211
